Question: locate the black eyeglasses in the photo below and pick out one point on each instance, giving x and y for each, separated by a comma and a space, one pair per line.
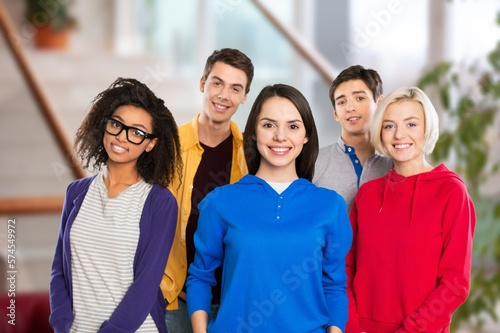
134, 135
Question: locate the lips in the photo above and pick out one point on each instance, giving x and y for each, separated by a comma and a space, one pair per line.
280, 150
219, 107
353, 119
402, 146
118, 149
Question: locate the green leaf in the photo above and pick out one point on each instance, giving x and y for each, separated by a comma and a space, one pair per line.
445, 97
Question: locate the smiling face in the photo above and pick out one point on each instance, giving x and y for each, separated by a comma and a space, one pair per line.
280, 135
354, 107
223, 92
403, 135
118, 148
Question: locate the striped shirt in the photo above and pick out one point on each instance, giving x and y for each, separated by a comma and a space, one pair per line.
104, 239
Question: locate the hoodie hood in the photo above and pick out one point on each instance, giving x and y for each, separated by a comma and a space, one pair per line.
416, 184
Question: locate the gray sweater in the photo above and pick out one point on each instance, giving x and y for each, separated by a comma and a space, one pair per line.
334, 170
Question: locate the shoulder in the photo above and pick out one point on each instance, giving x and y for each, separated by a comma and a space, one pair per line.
326, 152
379, 165
383, 160
160, 206
188, 134
322, 199
160, 194
230, 190
185, 129
238, 191
331, 155
324, 159
372, 185
449, 181
160, 201
79, 186
315, 192
235, 130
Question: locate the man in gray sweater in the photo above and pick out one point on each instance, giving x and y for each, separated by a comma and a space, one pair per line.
344, 166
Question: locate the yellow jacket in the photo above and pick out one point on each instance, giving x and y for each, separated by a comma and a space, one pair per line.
174, 276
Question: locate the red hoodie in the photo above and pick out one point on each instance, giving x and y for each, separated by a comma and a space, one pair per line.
409, 265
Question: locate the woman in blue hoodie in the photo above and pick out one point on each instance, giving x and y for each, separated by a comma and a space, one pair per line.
281, 240
117, 227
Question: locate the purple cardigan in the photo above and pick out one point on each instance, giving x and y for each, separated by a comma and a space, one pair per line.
143, 297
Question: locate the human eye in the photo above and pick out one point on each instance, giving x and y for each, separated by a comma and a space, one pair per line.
388, 126
340, 103
294, 126
360, 98
115, 123
267, 125
412, 125
217, 83
137, 133
237, 90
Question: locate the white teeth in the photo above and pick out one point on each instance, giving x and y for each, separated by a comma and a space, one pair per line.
218, 106
402, 146
353, 118
280, 150
119, 148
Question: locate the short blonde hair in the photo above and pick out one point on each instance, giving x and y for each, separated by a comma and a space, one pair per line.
406, 94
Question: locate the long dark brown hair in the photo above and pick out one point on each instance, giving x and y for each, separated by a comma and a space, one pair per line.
306, 160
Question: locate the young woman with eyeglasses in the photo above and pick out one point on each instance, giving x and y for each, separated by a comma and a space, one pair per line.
117, 227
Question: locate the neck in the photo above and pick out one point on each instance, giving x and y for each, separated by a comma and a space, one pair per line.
212, 133
278, 175
361, 144
413, 167
121, 174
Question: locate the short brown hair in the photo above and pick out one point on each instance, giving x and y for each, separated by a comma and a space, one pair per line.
357, 72
231, 57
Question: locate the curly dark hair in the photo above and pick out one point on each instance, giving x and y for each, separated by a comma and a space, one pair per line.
157, 166
306, 160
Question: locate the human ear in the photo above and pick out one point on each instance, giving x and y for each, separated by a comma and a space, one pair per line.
202, 85
380, 99
151, 145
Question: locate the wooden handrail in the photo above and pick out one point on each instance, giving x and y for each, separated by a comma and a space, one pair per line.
36, 89
306, 50
31, 205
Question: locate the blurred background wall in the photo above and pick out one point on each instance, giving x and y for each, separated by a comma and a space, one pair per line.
165, 45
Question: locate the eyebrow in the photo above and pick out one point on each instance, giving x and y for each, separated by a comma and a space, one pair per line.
233, 84
406, 119
353, 93
289, 121
138, 126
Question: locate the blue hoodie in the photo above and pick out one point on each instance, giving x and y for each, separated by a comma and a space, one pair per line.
283, 257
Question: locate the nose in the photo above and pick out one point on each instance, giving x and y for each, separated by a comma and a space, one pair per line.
349, 107
399, 132
223, 94
122, 135
280, 134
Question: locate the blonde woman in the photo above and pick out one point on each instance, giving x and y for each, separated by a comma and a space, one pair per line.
409, 266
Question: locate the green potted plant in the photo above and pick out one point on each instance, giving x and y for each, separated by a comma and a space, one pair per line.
51, 22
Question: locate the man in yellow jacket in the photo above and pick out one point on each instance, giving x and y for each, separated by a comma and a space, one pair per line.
212, 155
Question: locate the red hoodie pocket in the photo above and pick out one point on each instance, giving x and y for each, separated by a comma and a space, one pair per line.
380, 289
